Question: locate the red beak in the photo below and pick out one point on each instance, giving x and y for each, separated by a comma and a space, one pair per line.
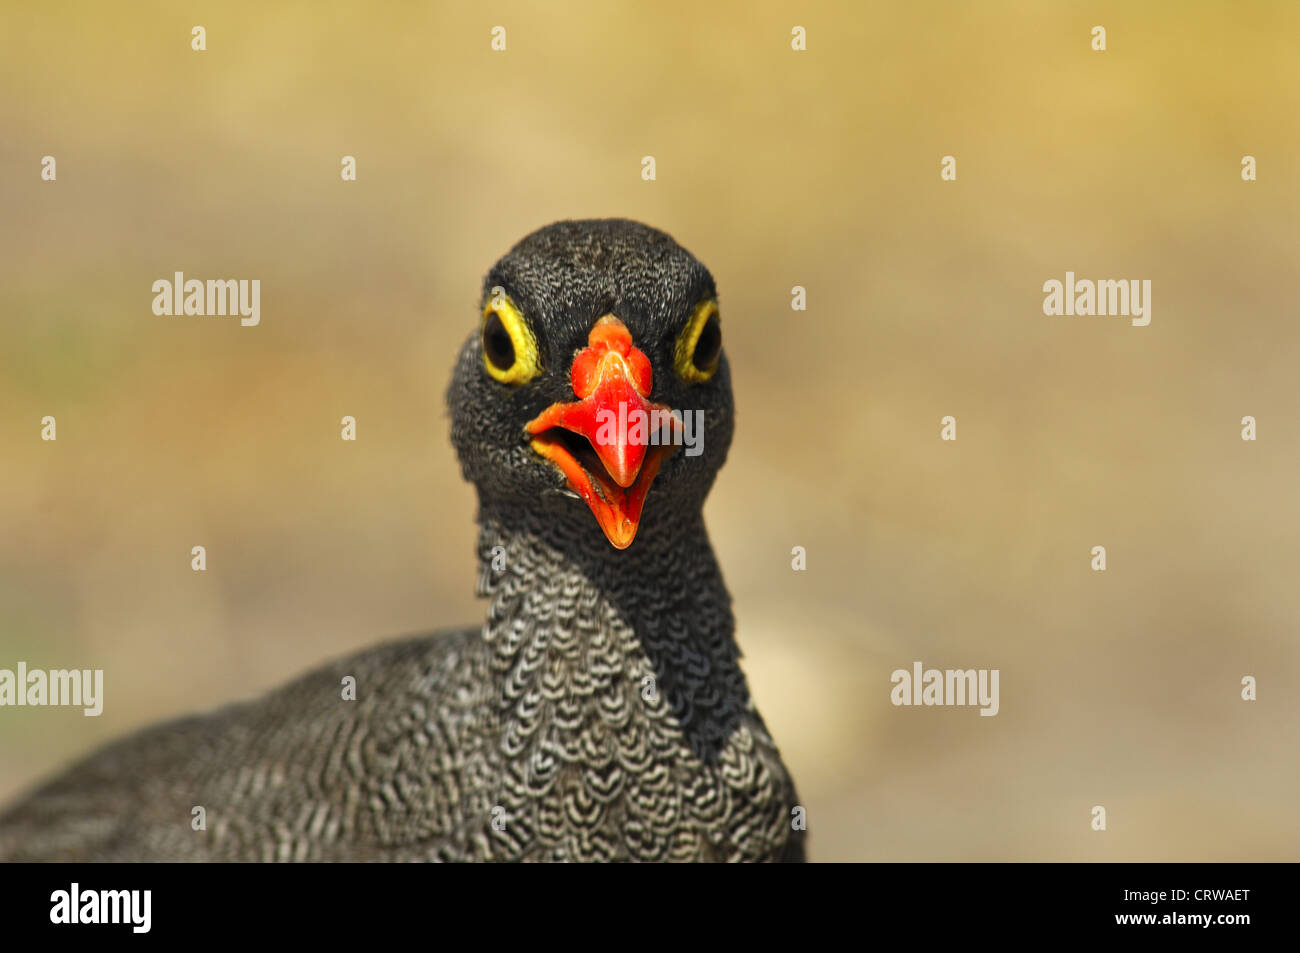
608, 443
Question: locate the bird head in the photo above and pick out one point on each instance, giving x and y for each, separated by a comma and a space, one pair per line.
593, 387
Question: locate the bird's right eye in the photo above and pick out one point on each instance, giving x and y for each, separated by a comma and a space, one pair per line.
509, 349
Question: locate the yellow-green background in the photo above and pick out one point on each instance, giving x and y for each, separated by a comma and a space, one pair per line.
776, 168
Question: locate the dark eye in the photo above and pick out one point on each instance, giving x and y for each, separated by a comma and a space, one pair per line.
708, 344
497, 345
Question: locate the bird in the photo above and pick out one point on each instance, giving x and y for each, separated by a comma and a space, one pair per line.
598, 714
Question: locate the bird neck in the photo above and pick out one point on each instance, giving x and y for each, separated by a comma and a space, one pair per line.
650, 626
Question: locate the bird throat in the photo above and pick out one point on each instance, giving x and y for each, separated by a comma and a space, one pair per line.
624, 723
560, 596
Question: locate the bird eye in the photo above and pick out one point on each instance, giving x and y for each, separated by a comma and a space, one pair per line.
498, 347
509, 348
699, 344
707, 345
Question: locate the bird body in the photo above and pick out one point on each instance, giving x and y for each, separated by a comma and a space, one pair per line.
599, 713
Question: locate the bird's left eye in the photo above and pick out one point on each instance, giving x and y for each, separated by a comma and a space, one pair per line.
509, 348
699, 344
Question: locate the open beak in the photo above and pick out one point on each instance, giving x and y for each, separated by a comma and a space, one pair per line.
610, 441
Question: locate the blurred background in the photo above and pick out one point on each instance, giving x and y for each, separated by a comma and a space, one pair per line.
776, 168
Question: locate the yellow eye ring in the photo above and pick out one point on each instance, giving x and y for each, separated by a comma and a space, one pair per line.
510, 352
699, 346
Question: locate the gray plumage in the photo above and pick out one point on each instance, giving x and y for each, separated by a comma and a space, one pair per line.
598, 714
